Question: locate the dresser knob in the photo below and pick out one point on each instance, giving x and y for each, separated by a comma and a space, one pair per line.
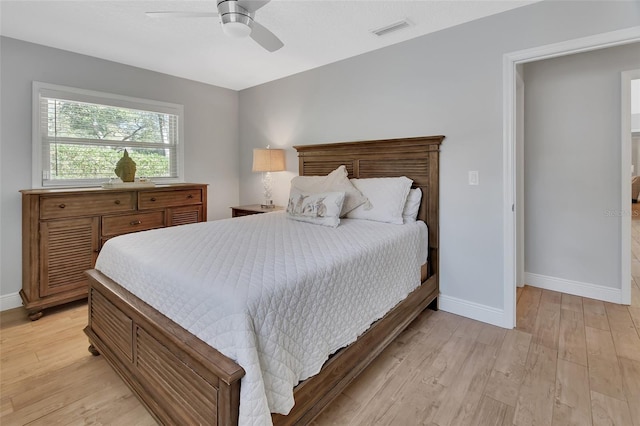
117, 201
153, 198
190, 196
62, 206
135, 222
97, 250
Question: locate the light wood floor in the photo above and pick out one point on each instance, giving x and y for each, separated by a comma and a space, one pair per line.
571, 361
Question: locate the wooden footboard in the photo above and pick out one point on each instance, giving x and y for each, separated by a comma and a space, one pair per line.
181, 380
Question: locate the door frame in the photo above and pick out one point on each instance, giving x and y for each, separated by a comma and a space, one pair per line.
510, 163
625, 133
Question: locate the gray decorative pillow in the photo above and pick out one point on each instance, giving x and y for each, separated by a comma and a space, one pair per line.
336, 181
320, 209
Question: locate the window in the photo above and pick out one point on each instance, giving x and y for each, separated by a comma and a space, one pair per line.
80, 135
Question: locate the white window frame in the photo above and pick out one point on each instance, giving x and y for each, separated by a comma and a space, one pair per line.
40, 89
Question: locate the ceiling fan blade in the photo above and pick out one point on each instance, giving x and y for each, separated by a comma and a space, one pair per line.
175, 14
252, 5
265, 38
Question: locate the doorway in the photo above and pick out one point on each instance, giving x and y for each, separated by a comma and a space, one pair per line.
630, 130
513, 167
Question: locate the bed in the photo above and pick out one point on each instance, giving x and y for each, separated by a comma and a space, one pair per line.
183, 380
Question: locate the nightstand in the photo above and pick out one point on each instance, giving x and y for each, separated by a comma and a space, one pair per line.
252, 209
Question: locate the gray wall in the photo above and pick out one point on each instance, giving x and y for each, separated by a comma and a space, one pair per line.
449, 83
210, 129
572, 165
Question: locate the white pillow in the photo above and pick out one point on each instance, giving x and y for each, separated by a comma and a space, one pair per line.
387, 197
321, 209
411, 207
336, 181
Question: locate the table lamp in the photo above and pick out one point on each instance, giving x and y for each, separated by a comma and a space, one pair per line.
266, 161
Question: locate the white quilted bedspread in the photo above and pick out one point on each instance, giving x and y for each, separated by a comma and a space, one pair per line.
276, 296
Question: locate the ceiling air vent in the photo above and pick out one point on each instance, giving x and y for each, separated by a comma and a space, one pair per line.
391, 28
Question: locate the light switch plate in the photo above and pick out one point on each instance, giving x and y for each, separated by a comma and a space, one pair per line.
474, 178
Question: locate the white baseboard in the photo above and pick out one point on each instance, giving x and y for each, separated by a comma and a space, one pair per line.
10, 301
577, 288
473, 310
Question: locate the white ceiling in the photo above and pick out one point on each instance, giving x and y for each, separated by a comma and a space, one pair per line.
314, 33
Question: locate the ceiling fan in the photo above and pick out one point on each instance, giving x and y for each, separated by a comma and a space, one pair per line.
237, 20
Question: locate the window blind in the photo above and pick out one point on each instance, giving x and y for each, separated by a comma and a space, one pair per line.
82, 141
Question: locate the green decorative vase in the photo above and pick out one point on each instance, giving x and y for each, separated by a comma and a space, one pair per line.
126, 168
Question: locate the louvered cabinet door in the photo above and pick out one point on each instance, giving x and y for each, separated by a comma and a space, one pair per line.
184, 215
67, 249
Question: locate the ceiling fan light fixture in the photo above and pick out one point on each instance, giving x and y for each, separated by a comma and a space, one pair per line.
236, 29
236, 21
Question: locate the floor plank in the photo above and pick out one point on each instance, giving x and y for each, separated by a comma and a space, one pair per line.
509, 368
527, 309
573, 401
491, 413
536, 396
631, 379
605, 377
600, 344
572, 344
595, 315
609, 411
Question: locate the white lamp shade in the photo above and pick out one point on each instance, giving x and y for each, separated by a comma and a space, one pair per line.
268, 160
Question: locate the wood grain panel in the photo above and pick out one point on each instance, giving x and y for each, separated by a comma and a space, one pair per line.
324, 167
68, 248
61, 206
194, 399
124, 224
162, 199
184, 215
111, 325
417, 168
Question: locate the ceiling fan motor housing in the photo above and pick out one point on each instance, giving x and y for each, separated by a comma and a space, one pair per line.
236, 20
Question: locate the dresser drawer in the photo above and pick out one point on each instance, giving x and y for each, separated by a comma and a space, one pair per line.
159, 199
86, 204
124, 224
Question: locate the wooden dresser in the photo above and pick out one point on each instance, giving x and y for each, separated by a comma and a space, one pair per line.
63, 231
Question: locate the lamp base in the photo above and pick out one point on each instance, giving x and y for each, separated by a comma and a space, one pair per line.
269, 205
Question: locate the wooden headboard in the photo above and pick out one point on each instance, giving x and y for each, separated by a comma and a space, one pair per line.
415, 158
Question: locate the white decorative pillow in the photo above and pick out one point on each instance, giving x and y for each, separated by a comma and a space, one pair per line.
336, 181
387, 197
321, 209
411, 207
